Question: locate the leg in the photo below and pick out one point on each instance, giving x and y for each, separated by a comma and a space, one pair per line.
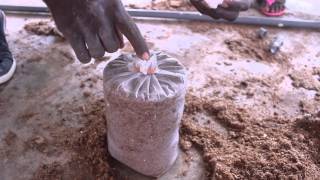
7, 63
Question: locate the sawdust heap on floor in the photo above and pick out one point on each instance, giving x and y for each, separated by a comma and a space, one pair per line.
268, 149
224, 111
10, 137
45, 28
250, 46
273, 148
91, 145
49, 172
304, 79
309, 126
88, 148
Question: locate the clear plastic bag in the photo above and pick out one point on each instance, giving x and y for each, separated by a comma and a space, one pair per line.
143, 112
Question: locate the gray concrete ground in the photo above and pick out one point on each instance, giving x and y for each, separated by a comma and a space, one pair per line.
46, 103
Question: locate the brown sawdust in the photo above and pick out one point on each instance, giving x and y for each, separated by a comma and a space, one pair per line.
304, 79
88, 148
10, 138
268, 149
45, 28
250, 46
275, 148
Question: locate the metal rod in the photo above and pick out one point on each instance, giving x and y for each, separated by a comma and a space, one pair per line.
191, 16
24, 9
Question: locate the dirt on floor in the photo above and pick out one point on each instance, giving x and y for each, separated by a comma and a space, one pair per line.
89, 158
249, 114
276, 148
181, 5
46, 28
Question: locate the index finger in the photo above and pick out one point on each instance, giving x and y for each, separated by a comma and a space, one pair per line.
131, 31
226, 14
220, 12
204, 8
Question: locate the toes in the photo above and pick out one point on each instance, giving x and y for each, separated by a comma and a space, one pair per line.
273, 8
276, 7
282, 7
279, 7
237, 6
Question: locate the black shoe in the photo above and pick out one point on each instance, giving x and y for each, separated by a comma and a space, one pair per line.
7, 63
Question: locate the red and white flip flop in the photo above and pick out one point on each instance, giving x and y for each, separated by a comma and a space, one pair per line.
267, 12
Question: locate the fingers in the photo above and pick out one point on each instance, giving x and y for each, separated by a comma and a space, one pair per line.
120, 37
91, 38
79, 46
217, 13
238, 5
131, 31
226, 14
203, 7
101, 40
109, 37
95, 47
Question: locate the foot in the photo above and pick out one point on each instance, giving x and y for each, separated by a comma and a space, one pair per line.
7, 63
272, 7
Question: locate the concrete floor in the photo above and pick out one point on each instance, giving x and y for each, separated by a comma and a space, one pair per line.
47, 78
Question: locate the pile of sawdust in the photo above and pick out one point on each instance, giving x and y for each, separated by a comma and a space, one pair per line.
250, 46
304, 79
87, 146
45, 28
91, 145
274, 148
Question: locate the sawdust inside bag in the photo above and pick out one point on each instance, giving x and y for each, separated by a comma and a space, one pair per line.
143, 112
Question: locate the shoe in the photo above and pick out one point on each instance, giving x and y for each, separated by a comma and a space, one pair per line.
7, 62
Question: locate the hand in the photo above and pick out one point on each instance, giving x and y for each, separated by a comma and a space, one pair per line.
228, 10
95, 26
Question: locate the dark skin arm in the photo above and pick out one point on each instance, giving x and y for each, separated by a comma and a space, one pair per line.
95, 26
229, 10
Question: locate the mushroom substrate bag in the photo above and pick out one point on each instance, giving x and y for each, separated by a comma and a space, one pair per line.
144, 111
